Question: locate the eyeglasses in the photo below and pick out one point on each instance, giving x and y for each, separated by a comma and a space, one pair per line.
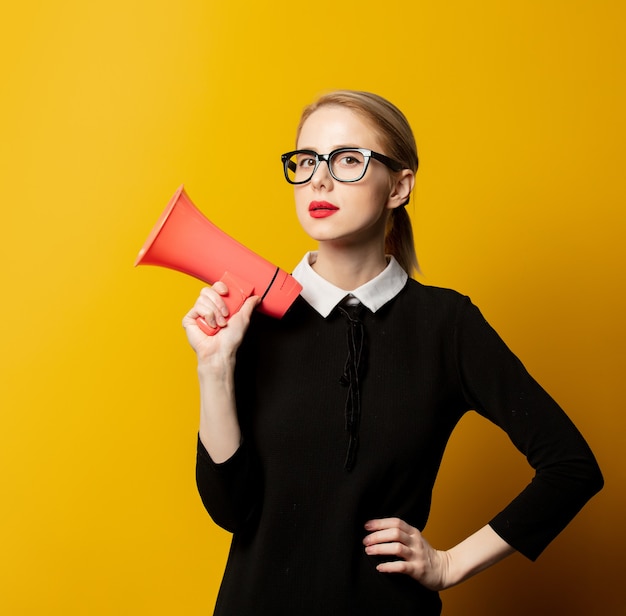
344, 164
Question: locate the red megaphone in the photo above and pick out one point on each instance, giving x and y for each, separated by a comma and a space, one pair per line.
183, 239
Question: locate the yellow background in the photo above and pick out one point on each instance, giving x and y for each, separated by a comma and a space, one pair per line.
106, 107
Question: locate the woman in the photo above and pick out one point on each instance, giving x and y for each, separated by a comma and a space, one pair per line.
321, 433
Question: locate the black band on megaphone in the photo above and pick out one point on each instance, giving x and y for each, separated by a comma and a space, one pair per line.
271, 283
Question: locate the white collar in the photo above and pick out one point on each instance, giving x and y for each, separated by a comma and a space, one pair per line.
324, 296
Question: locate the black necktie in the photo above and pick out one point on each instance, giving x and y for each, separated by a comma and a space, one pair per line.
353, 371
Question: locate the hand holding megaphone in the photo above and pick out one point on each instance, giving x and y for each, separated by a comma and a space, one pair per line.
185, 240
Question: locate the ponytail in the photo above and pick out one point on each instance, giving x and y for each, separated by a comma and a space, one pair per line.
399, 241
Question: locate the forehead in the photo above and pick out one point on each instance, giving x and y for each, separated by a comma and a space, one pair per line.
331, 127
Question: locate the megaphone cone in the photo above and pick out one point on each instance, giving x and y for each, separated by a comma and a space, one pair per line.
183, 239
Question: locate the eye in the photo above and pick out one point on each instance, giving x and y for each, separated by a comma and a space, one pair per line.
348, 159
305, 160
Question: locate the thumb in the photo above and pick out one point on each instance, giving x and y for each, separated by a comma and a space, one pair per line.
249, 305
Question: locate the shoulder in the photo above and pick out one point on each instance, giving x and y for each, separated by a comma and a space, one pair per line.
428, 312
453, 306
422, 297
441, 294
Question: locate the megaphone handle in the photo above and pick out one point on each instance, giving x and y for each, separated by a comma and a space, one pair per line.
239, 291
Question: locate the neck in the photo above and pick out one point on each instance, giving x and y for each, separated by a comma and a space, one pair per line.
349, 269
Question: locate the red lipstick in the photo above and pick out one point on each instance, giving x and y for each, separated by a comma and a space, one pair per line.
321, 209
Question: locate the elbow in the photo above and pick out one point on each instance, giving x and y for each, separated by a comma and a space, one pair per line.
585, 478
594, 479
228, 521
230, 509
589, 474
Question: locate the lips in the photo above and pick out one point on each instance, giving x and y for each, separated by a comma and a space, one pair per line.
321, 209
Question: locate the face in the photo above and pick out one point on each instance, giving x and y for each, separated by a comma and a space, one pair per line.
349, 213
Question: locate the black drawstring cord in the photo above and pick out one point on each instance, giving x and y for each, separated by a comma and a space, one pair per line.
352, 371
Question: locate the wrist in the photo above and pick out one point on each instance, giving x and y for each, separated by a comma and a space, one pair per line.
454, 569
476, 553
216, 364
217, 377
448, 575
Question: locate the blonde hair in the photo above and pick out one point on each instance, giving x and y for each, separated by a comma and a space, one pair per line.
393, 130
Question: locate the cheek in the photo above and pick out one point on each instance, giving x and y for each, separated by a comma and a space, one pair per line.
374, 197
299, 197
301, 202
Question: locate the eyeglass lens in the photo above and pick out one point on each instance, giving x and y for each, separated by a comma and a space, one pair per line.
345, 165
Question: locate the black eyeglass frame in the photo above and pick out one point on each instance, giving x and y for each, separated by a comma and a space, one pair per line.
368, 154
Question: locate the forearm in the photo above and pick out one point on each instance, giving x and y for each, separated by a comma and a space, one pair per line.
475, 554
219, 427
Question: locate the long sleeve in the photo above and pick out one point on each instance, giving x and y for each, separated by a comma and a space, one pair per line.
231, 491
228, 490
497, 386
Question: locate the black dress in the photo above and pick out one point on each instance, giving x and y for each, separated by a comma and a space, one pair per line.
345, 419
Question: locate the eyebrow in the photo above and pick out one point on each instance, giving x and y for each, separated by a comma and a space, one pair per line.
335, 147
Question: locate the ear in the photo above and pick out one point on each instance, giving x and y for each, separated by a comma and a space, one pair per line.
401, 186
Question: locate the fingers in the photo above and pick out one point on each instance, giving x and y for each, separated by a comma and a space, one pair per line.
394, 550
388, 533
385, 523
221, 312
391, 537
210, 306
220, 287
396, 566
410, 553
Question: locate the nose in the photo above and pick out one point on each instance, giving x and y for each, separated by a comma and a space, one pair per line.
322, 176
